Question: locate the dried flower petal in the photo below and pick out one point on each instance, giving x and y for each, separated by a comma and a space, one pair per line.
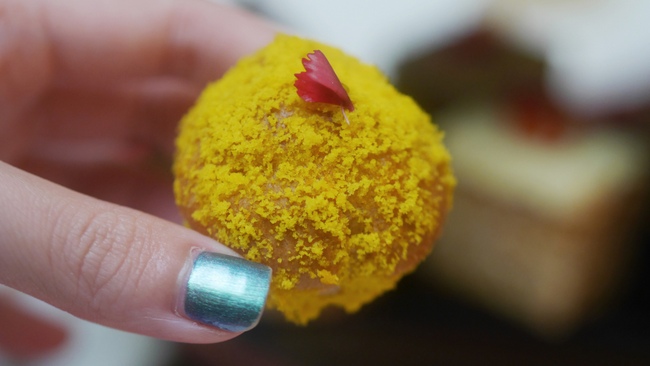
319, 83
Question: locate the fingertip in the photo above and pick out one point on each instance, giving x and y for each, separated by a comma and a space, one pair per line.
123, 268
223, 291
205, 39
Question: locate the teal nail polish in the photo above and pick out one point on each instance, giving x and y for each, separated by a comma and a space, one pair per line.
226, 292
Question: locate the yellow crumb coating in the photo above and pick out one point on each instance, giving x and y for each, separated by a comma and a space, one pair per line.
339, 211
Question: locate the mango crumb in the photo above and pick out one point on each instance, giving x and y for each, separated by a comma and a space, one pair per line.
339, 211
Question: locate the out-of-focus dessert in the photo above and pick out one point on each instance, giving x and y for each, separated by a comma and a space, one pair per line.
545, 200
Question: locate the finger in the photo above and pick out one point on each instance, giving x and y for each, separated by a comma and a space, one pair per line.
122, 268
97, 44
24, 336
75, 124
196, 40
145, 186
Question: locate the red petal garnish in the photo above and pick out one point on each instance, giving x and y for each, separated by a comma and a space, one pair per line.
319, 83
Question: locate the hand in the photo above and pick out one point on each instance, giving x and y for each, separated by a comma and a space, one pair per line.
90, 96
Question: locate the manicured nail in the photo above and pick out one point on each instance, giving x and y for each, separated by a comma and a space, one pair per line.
226, 292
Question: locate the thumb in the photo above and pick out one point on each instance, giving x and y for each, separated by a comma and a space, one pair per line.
123, 268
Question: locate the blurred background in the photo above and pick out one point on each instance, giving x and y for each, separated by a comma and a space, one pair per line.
543, 261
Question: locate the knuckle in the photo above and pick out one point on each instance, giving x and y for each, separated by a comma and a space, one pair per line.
104, 254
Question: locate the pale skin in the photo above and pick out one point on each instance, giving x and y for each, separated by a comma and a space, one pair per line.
90, 96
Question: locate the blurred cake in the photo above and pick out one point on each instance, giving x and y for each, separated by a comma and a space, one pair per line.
545, 201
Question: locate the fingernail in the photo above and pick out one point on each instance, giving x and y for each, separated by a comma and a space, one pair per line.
226, 292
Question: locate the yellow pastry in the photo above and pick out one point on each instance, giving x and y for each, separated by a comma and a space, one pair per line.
340, 211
